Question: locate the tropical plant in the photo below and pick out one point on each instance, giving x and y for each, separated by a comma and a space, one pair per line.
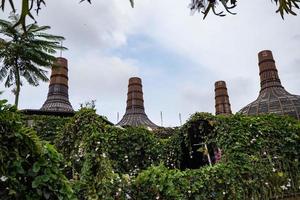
26, 53
29, 168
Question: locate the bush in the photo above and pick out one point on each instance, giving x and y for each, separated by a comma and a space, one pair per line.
260, 160
29, 167
100, 156
47, 127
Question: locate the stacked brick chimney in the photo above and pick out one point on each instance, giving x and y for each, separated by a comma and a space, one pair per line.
273, 98
135, 112
58, 96
267, 71
222, 103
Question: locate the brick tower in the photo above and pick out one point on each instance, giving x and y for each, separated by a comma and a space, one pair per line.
222, 103
135, 112
58, 96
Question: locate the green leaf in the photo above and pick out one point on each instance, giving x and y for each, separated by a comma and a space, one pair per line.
36, 167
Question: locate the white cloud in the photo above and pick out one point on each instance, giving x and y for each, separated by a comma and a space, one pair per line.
219, 48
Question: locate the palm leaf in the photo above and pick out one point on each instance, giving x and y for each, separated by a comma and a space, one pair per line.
27, 53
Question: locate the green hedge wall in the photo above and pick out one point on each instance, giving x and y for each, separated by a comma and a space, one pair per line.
47, 127
29, 167
260, 158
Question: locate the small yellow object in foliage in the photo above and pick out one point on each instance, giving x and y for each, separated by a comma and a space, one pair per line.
280, 174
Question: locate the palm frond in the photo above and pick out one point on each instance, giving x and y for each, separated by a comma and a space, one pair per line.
27, 53
10, 80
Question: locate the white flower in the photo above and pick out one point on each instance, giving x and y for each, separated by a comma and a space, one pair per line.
265, 153
274, 170
119, 189
157, 197
189, 191
283, 187
266, 183
126, 160
98, 142
224, 193
288, 184
96, 149
3, 178
253, 140
103, 155
127, 196
126, 156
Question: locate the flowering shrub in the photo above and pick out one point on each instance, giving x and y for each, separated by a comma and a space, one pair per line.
260, 160
100, 156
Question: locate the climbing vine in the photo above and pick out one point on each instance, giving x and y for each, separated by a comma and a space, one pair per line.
259, 158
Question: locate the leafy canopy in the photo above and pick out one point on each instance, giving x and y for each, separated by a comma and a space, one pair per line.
29, 168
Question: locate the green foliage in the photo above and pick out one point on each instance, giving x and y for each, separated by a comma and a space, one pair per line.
144, 149
26, 53
46, 127
102, 159
160, 183
29, 168
165, 133
71, 140
87, 163
260, 160
202, 130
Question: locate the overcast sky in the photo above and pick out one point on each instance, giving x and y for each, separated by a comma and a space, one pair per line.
178, 55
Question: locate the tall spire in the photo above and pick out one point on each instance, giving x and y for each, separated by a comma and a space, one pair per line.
135, 112
272, 98
58, 96
267, 70
222, 103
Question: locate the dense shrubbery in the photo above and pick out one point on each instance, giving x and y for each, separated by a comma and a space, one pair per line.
29, 168
46, 127
98, 154
260, 159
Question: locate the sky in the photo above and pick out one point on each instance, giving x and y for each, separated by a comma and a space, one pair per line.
179, 56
